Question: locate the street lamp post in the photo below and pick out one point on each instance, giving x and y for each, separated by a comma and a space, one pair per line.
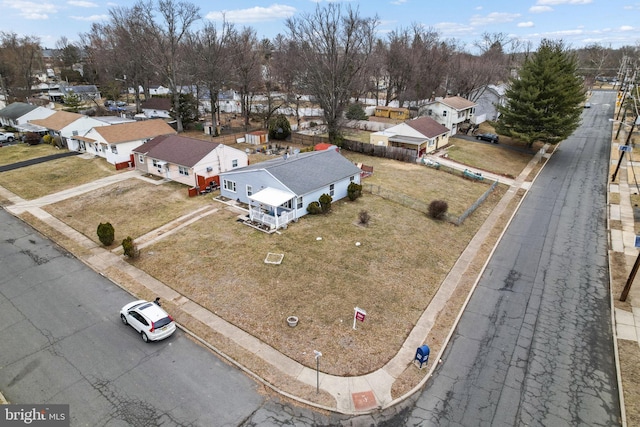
628, 140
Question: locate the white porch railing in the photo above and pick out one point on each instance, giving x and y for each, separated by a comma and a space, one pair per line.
271, 221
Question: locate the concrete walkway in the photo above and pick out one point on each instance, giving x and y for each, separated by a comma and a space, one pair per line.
353, 395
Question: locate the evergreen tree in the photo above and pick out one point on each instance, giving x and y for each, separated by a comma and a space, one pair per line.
72, 102
544, 100
279, 127
188, 111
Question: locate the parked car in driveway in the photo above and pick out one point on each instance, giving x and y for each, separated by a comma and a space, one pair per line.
7, 137
148, 319
489, 137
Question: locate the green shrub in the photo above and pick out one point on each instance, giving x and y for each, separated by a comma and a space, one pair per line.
130, 249
356, 112
354, 191
438, 209
314, 208
325, 203
279, 127
106, 233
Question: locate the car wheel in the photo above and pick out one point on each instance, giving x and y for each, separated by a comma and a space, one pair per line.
145, 338
124, 319
10, 139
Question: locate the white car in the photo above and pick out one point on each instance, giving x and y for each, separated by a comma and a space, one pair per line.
148, 319
7, 137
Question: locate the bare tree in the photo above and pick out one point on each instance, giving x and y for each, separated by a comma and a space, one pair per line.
247, 75
20, 57
286, 67
335, 48
166, 39
211, 59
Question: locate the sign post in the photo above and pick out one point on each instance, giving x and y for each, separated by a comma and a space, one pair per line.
359, 314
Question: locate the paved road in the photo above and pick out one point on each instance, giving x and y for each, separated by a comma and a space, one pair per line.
38, 160
534, 346
62, 342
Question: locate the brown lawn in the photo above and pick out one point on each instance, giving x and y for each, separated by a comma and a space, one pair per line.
39, 180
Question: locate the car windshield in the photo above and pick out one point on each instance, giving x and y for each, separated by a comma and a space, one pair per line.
162, 322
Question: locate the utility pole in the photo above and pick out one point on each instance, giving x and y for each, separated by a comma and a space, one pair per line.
613, 177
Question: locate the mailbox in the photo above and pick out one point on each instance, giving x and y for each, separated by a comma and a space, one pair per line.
422, 355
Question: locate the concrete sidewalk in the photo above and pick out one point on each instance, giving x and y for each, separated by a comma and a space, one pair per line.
353, 395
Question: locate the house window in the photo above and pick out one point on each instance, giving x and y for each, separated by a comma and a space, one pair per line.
114, 149
352, 178
331, 189
444, 113
431, 143
430, 112
300, 203
229, 185
140, 159
234, 163
156, 164
249, 190
183, 171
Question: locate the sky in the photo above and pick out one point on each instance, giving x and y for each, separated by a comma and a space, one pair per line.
610, 23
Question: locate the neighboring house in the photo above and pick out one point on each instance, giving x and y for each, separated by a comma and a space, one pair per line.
423, 134
487, 98
156, 108
116, 142
67, 125
278, 191
86, 92
190, 161
158, 90
451, 111
18, 114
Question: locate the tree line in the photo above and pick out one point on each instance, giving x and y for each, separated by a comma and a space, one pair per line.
332, 54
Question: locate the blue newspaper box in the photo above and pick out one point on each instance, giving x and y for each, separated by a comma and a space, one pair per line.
422, 355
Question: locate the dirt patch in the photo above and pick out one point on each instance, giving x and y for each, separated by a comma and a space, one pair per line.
630, 369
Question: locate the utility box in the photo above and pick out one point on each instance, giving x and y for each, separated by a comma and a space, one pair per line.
422, 356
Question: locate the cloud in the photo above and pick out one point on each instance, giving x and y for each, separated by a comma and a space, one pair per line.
527, 24
398, 2
92, 18
540, 9
80, 3
492, 18
557, 2
253, 14
32, 10
452, 29
626, 28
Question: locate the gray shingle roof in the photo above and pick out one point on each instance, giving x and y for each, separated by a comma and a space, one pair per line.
305, 172
16, 110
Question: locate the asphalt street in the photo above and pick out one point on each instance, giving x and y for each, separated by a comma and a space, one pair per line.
63, 342
534, 346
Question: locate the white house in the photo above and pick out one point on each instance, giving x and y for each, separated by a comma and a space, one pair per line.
422, 134
66, 126
156, 108
18, 115
278, 191
488, 98
116, 142
190, 161
450, 111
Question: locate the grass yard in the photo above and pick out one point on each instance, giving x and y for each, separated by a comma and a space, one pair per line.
19, 152
493, 158
420, 182
39, 180
133, 207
